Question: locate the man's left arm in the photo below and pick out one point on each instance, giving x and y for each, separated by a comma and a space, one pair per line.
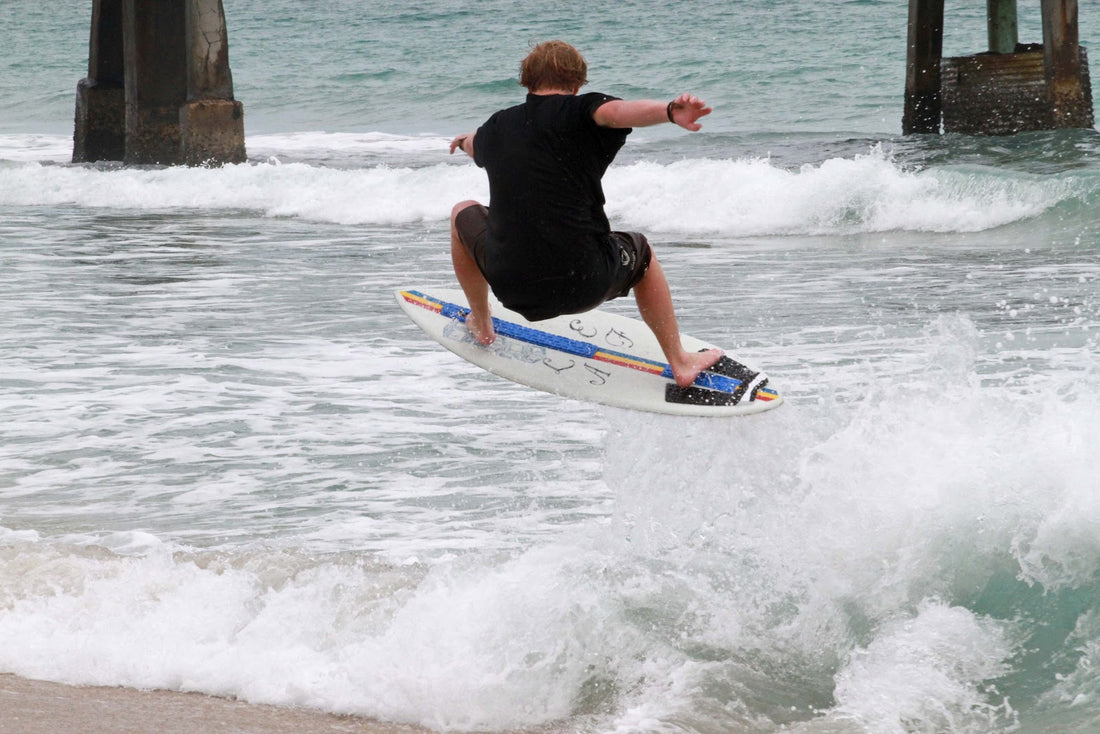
684, 111
466, 142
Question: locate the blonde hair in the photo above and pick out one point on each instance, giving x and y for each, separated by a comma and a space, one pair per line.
553, 65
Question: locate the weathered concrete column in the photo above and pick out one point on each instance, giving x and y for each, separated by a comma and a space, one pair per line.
922, 77
1004, 31
100, 124
211, 121
156, 79
1066, 71
159, 89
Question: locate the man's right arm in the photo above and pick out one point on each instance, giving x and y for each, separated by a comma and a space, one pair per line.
685, 110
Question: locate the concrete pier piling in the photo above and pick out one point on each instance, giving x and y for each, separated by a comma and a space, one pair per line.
1003, 30
159, 89
1010, 88
211, 121
100, 130
1066, 66
923, 103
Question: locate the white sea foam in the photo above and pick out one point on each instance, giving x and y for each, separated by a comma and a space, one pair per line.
832, 537
452, 647
376, 195
816, 543
869, 193
344, 145
931, 669
737, 198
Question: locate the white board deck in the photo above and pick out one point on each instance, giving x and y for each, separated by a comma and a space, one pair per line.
595, 356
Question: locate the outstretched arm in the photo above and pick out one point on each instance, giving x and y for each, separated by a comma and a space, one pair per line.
466, 142
685, 111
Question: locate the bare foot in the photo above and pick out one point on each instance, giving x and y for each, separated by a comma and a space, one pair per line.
690, 364
482, 328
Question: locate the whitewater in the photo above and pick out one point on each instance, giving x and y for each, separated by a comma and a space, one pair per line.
230, 467
867, 193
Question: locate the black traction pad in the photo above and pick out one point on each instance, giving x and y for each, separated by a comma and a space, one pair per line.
726, 367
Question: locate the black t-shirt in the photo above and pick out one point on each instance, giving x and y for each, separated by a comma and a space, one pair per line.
547, 250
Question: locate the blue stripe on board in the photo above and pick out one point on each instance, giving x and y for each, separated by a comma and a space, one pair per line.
526, 333
713, 381
708, 380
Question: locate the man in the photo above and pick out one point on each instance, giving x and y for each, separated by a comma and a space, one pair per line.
544, 244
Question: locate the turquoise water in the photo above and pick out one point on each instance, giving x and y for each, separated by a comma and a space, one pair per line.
228, 464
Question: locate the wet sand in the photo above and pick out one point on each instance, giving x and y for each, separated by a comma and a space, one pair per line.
38, 707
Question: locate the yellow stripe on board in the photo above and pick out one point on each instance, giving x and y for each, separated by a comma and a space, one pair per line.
635, 364
421, 301
766, 394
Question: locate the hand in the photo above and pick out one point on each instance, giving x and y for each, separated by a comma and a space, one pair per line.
686, 109
459, 142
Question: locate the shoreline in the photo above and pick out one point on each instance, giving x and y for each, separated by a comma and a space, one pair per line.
42, 707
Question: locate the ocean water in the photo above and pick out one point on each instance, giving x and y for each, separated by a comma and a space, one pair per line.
229, 464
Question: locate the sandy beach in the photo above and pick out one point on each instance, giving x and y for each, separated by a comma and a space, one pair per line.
40, 707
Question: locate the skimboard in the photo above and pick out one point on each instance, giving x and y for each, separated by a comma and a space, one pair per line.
595, 356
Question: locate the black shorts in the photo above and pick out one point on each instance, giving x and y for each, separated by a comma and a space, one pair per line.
631, 248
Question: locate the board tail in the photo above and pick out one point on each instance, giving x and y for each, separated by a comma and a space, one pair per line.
745, 381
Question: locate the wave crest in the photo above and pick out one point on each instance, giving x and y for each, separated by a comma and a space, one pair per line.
386, 180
